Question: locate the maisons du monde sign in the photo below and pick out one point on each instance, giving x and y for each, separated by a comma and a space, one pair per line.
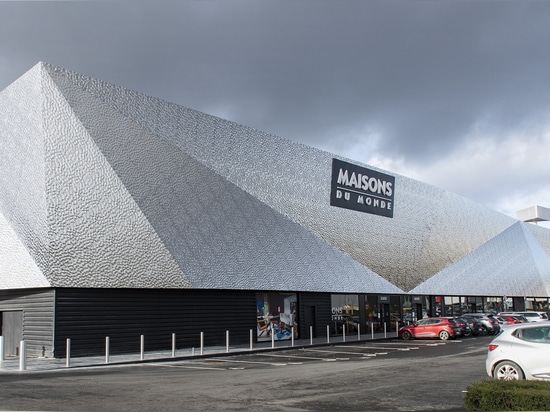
358, 188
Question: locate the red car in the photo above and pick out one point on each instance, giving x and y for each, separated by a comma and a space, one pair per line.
509, 319
442, 328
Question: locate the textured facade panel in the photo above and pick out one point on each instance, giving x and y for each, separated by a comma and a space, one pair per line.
542, 235
22, 166
219, 235
431, 228
510, 264
18, 269
129, 191
98, 235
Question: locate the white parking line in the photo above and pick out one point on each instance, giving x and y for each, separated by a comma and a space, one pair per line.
239, 361
289, 356
383, 347
185, 366
332, 351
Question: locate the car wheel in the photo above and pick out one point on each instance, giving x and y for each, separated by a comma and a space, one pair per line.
406, 335
508, 371
444, 335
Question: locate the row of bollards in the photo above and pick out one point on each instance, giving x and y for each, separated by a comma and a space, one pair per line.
23, 345
22, 354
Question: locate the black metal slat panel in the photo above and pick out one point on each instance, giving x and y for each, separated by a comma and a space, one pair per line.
38, 314
323, 314
88, 316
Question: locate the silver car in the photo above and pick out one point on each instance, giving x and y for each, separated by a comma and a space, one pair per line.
520, 352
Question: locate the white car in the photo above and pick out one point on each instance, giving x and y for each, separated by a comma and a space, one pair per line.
519, 352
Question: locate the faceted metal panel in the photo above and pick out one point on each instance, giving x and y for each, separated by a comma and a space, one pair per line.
18, 270
219, 205
220, 236
518, 266
431, 228
22, 168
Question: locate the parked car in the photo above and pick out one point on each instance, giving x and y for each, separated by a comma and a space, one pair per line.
463, 325
531, 316
510, 319
520, 352
487, 321
475, 325
442, 328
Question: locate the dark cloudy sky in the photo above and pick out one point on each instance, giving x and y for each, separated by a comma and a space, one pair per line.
453, 93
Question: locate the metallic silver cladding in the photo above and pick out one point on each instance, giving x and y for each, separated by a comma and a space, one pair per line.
219, 205
431, 228
219, 235
126, 208
22, 168
517, 266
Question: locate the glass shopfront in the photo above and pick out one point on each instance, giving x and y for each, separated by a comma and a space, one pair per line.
276, 316
345, 314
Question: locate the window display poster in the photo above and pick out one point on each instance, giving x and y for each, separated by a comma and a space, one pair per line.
276, 316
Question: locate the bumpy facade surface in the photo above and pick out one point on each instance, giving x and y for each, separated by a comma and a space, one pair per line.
104, 187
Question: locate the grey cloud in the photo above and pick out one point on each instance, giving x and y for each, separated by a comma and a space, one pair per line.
423, 74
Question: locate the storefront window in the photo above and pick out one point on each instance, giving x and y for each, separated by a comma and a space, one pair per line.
371, 312
475, 304
276, 315
536, 304
493, 305
452, 305
345, 314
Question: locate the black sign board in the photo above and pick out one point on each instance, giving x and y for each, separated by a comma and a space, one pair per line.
358, 188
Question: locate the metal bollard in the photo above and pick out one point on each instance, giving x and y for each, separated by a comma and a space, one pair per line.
226, 341
272, 338
68, 355
358, 332
1, 351
311, 335
106, 349
344, 333
173, 345
328, 334
202, 343
142, 347
372, 330
23, 355
251, 337
292, 331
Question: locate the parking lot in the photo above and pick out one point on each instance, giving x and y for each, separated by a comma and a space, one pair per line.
380, 375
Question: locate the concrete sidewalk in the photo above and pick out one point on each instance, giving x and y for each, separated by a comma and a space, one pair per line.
17, 365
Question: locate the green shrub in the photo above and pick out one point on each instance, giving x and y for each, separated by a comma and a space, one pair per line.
497, 395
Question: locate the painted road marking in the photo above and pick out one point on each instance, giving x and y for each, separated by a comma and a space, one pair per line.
240, 361
289, 356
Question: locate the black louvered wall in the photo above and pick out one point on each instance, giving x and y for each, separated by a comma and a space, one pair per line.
88, 316
319, 307
37, 307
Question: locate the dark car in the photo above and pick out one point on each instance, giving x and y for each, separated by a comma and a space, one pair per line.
463, 325
442, 328
475, 325
487, 321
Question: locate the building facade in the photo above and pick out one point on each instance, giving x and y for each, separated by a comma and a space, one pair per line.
124, 215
